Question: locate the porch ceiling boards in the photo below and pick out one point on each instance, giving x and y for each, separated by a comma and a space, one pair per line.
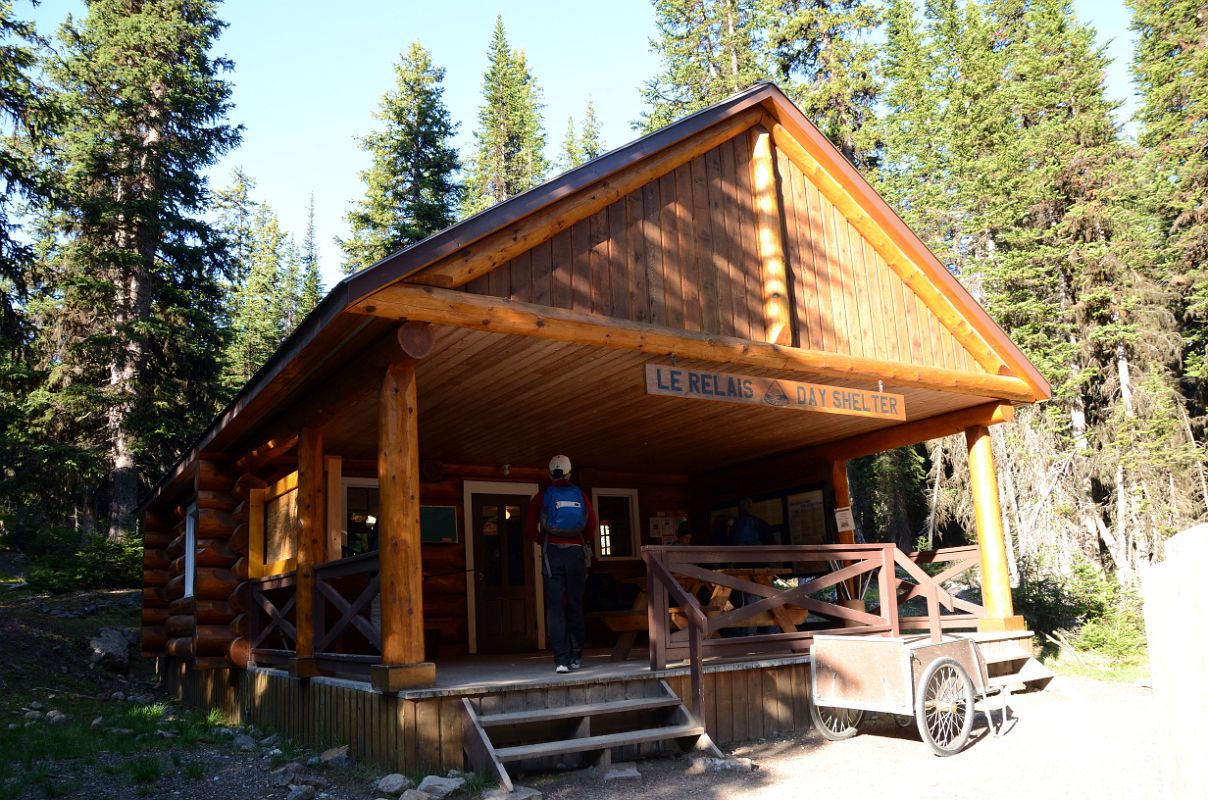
492, 399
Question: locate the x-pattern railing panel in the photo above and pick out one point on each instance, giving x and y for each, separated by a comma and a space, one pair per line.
277, 617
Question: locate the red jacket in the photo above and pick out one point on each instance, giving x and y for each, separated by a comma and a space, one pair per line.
532, 520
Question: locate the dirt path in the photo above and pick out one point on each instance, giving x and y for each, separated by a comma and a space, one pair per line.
1077, 739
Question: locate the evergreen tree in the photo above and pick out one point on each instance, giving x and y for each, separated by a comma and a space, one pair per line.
27, 117
312, 284
261, 304
132, 302
24, 112
821, 50
579, 148
571, 154
509, 144
1171, 69
236, 212
710, 49
410, 190
591, 142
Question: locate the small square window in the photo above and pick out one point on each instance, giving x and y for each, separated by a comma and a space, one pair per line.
618, 534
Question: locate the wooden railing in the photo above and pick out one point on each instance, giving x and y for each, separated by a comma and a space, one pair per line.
961, 613
272, 628
678, 574
348, 638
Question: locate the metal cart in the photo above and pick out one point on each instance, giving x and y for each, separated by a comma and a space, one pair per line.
936, 683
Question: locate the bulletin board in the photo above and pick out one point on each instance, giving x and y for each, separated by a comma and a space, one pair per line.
438, 524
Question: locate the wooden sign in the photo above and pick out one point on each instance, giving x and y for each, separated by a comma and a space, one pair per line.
663, 379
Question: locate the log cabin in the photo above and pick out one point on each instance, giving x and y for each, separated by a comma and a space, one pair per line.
721, 309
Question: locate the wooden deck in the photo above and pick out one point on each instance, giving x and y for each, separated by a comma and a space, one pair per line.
422, 729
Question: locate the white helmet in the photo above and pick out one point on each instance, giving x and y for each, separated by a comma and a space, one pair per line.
559, 467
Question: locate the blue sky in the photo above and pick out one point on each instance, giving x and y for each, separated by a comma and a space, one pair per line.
308, 77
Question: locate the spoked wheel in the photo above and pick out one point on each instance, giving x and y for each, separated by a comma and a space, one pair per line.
835, 723
943, 706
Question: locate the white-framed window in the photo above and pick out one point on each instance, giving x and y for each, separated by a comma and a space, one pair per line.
190, 548
618, 534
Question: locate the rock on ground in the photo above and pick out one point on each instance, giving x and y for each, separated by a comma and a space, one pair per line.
413, 794
627, 771
394, 784
518, 793
110, 650
438, 788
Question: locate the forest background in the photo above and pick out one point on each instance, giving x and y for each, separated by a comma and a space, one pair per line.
141, 292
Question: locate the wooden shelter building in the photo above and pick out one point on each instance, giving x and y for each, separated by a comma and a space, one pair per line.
723, 308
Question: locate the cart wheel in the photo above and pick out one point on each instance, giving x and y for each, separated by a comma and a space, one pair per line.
943, 706
835, 724
902, 720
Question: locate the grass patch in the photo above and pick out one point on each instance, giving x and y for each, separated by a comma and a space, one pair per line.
145, 769
195, 771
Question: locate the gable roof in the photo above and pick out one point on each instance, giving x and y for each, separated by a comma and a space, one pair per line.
451, 258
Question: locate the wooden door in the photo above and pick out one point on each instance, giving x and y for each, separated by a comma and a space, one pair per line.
505, 595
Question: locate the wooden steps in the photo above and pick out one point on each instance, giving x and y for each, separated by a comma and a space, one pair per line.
534, 737
1009, 660
602, 742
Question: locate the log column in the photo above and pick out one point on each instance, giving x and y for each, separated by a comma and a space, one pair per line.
401, 577
776, 307
842, 492
312, 547
991, 543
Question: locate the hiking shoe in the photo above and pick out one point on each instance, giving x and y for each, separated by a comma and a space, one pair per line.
561, 669
575, 664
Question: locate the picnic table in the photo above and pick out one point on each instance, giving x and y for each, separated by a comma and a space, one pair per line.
628, 624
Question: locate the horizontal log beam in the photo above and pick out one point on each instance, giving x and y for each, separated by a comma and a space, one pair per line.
501, 315
496, 249
907, 434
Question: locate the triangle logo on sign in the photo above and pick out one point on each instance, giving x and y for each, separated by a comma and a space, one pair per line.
774, 395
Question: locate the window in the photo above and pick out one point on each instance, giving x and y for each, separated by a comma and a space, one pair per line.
618, 534
190, 548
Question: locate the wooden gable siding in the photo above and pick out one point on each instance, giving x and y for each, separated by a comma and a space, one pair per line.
847, 299
682, 252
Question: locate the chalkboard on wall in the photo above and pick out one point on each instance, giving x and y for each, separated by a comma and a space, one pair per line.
438, 524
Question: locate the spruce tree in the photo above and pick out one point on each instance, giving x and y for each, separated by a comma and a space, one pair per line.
410, 188
509, 143
261, 304
312, 282
133, 301
823, 55
579, 148
591, 142
571, 154
710, 49
236, 212
1171, 69
26, 120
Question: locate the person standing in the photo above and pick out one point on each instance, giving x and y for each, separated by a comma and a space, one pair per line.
559, 518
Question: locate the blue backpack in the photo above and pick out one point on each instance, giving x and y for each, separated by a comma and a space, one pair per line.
564, 513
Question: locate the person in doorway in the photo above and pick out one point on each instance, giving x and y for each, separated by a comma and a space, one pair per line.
748, 530
559, 519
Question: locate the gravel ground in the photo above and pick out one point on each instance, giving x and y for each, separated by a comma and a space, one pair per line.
1078, 738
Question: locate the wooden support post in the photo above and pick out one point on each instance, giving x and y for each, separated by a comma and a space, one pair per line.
842, 492
336, 535
403, 665
991, 544
312, 547
776, 307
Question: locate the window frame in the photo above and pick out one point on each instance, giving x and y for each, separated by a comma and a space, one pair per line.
190, 567
634, 523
